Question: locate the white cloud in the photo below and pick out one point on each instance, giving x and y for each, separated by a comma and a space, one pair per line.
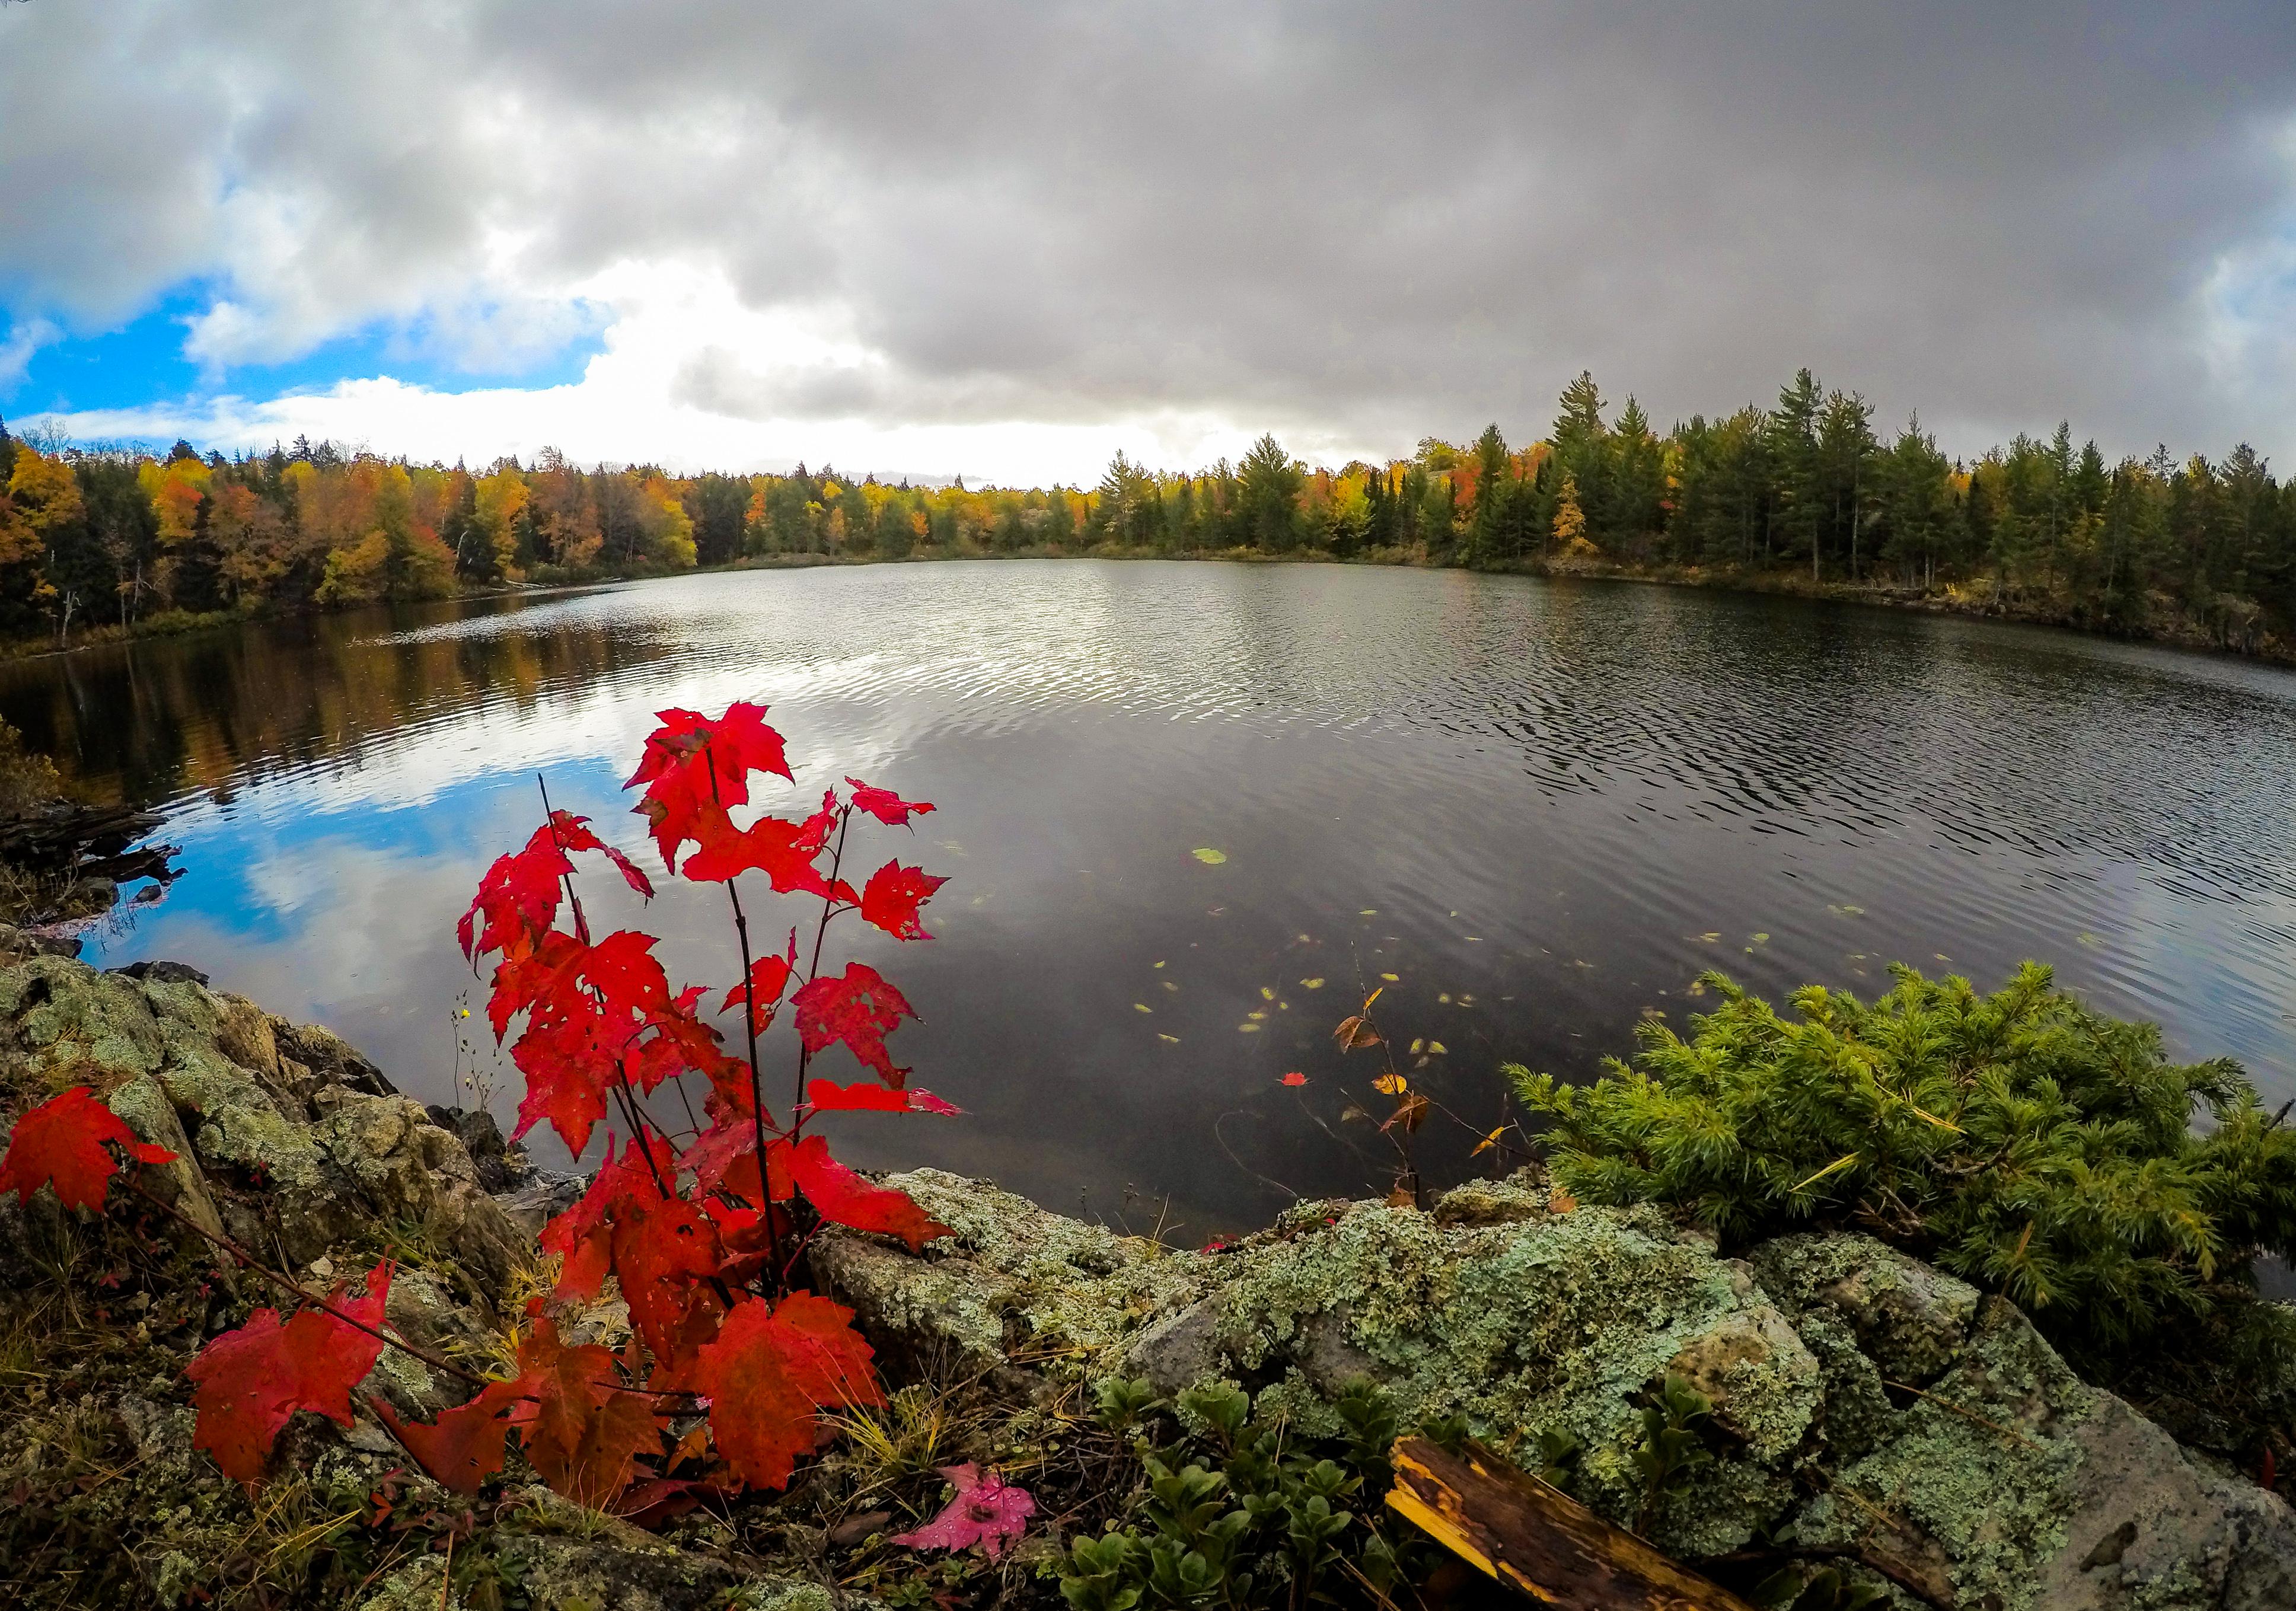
25, 337
640, 399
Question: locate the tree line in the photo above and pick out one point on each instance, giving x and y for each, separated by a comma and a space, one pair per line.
1804, 488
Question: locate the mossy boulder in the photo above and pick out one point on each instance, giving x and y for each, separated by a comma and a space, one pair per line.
1864, 1404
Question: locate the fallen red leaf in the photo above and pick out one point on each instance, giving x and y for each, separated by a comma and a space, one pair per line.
251, 1381
61, 1144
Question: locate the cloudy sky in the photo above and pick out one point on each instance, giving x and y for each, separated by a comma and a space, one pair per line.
1005, 240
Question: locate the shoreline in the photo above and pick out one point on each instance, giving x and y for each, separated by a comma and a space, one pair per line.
1979, 601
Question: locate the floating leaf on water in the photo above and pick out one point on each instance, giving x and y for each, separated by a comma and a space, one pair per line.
1209, 856
1445, 998
1437, 1049
1255, 1016
1311, 984
1472, 939
1760, 940
1174, 1039
1168, 985
1352, 1111
1141, 1006
1353, 1033
1266, 994
1307, 940
1709, 936
1417, 1046
1368, 911
1160, 964
1392, 979
1390, 1084
1295, 1078
2087, 938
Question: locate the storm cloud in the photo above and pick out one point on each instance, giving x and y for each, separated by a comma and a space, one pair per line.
1354, 224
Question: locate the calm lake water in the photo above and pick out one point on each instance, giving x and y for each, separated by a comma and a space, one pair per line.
1534, 810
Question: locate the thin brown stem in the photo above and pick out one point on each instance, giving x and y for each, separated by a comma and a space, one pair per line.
749, 1027
829, 910
582, 933
290, 1284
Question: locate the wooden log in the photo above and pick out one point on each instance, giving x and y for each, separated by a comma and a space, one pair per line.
1537, 1540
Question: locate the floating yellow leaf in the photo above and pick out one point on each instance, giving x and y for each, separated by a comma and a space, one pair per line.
1368, 911
1209, 856
1141, 1006
1266, 994
1417, 1046
1174, 1039
1437, 1049
1445, 998
1392, 979
1390, 1084
1255, 1016
1311, 984
1168, 985
1160, 964
1247, 1028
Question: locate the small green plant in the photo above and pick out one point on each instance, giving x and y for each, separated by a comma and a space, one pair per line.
1239, 1510
2033, 1146
1671, 1448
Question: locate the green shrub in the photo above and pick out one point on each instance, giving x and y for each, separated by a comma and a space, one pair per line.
1246, 1512
2028, 1145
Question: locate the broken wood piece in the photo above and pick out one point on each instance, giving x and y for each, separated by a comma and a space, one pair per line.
1535, 1538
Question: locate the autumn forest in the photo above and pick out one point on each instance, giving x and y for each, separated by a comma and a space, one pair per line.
1805, 490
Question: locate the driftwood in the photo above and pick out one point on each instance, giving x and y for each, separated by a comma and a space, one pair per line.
62, 833
1537, 1540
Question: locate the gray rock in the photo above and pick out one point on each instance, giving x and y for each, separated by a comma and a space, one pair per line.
172, 973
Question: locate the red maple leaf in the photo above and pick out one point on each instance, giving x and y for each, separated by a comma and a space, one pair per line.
664, 1253
582, 1235
892, 896
587, 1007
769, 976
885, 806
586, 1433
692, 765
859, 1007
845, 1199
828, 1097
60, 1143
519, 896
769, 1373
251, 1382
469, 1444
783, 850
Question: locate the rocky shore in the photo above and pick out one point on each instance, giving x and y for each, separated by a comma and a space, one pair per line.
1871, 1411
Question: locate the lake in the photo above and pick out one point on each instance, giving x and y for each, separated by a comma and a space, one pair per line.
1172, 795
